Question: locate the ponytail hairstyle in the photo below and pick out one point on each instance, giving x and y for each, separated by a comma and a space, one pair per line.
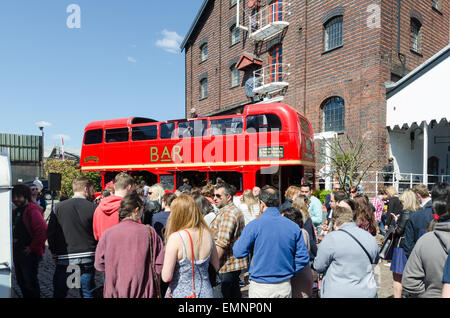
440, 195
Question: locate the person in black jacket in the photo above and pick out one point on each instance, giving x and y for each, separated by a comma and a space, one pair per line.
394, 208
72, 243
410, 205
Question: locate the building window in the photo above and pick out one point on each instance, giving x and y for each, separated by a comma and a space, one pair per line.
276, 11
276, 66
204, 52
333, 112
436, 4
333, 33
235, 76
233, 3
235, 35
204, 88
416, 35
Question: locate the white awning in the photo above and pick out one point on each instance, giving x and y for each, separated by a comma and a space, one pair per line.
423, 95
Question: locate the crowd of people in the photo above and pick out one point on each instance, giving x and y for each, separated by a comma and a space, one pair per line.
201, 242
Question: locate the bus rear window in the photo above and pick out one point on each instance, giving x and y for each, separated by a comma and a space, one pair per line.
144, 133
167, 130
304, 125
263, 123
92, 137
116, 135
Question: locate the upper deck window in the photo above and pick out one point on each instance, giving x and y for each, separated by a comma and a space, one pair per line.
304, 125
226, 126
144, 133
193, 128
167, 130
263, 123
93, 137
116, 135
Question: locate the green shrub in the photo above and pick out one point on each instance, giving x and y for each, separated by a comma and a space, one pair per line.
321, 194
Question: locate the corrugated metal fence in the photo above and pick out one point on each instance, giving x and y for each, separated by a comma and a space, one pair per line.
21, 148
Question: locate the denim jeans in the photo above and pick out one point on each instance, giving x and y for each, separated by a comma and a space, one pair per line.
381, 227
26, 270
229, 286
86, 277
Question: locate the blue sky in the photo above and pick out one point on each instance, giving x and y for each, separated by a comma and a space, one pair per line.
123, 61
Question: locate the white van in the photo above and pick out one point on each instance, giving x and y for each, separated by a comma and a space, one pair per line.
6, 261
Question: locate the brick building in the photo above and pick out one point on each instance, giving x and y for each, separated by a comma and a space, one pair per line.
329, 59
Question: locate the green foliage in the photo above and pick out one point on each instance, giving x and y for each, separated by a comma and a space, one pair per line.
69, 171
321, 195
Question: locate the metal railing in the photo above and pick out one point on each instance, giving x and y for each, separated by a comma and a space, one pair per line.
271, 78
271, 14
373, 180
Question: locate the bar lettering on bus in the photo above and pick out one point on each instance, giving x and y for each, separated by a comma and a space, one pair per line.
165, 155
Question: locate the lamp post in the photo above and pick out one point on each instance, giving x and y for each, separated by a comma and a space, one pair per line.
41, 157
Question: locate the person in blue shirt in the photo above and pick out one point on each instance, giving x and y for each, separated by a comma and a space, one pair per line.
315, 206
276, 248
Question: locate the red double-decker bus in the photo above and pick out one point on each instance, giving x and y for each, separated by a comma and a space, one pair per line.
266, 144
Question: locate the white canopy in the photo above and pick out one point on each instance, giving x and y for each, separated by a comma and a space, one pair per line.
422, 95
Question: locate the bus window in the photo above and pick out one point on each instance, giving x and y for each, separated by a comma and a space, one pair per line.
230, 177
194, 128
196, 178
263, 123
304, 125
144, 133
143, 175
226, 126
93, 137
116, 135
167, 130
167, 181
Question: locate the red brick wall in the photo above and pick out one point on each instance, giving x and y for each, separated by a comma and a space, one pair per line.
356, 72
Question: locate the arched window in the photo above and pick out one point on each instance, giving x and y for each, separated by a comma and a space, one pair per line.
333, 113
416, 35
235, 76
333, 33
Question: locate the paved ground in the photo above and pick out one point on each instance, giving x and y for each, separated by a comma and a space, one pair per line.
47, 268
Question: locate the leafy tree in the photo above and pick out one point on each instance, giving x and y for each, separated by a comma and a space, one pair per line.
69, 171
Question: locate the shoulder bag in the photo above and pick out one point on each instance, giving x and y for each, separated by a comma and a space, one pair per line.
194, 295
359, 243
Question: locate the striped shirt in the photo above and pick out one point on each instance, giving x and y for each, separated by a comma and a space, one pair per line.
227, 228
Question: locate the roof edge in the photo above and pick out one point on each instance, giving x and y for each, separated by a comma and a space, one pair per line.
194, 24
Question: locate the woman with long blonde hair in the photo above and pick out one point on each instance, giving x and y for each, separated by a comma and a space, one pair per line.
410, 204
190, 249
301, 203
249, 205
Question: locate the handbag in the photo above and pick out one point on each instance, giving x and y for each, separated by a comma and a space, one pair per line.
155, 276
194, 295
386, 247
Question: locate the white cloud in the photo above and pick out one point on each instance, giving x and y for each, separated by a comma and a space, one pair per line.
170, 42
43, 124
58, 137
131, 59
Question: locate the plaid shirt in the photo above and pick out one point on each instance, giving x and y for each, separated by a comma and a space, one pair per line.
378, 204
227, 228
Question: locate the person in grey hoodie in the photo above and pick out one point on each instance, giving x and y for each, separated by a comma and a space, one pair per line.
422, 276
346, 256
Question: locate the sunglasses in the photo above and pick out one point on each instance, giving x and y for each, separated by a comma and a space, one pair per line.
34, 189
218, 196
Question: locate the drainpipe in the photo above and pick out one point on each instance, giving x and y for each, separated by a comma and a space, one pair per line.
401, 56
238, 25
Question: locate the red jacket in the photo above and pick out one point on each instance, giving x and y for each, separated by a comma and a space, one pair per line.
106, 215
36, 227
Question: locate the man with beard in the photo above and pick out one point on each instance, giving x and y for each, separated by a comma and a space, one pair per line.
71, 241
29, 239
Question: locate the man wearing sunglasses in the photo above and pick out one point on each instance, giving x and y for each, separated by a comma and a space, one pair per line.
227, 228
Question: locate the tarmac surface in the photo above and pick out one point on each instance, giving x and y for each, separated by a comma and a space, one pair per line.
47, 268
